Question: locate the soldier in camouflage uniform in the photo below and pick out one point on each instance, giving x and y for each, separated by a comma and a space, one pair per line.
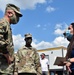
11, 16
28, 59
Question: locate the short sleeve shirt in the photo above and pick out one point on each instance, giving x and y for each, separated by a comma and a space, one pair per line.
44, 64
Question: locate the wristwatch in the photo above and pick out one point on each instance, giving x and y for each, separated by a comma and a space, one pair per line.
68, 60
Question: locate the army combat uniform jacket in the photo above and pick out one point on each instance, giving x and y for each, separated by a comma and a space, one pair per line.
7, 35
8, 49
29, 61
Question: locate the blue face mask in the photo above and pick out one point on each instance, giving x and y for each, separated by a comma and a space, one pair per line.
68, 35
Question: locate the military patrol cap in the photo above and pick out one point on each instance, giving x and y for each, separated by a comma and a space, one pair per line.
15, 8
28, 35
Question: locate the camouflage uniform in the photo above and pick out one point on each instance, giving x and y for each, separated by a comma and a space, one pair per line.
28, 61
7, 35
7, 51
9, 48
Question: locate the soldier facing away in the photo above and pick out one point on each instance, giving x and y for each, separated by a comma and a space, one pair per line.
11, 16
28, 59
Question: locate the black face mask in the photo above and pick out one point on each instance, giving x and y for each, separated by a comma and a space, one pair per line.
28, 40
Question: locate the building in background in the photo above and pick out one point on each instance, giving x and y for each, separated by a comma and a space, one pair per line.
51, 54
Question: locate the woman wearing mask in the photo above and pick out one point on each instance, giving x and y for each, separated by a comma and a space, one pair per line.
69, 34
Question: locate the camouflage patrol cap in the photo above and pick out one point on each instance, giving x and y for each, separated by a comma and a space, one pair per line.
15, 8
28, 35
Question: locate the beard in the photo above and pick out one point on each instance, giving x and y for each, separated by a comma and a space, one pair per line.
14, 19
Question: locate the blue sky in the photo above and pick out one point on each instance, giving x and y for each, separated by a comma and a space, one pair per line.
46, 20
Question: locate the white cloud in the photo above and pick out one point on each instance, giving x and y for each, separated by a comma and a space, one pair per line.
59, 32
18, 41
50, 1
23, 4
50, 9
58, 41
43, 27
61, 25
38, 26
60, 28
43, 45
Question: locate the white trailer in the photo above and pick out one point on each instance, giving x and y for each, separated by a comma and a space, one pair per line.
51, 54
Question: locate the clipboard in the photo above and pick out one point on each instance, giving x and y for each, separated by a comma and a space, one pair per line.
59, 60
